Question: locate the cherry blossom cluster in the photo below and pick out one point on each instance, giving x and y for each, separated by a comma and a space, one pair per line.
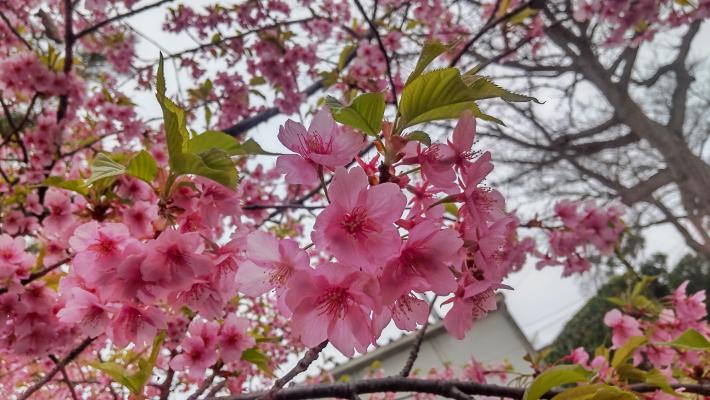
680, 313
640, 20
586, 227
25, 73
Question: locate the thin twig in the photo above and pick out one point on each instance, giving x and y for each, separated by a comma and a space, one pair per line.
488, 26
381, 45
302, 365
15, 32
414, 352
36, 275
206, 383
118, 17
65, 376
48, 377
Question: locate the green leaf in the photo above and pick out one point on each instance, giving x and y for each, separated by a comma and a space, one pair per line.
145, 367
104, 167
251, 147
431, 50
419, 136
254, 356
214, 164
690, 339
656, 378
444, 94
213, 140
485, 89
597, 391
137, 381
198, 155
553, 377
76, 185
143, 166
624, 352
365, 113
345, 55
118, 373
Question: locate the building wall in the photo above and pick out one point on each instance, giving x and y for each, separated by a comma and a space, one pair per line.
493, 339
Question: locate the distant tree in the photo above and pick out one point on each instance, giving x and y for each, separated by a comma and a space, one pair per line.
586, 328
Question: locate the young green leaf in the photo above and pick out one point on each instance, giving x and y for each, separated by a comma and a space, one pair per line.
365, 113
597, 391
553, 377
624, 352
254, 356
213, 140
214, 164
76, 185
690, 339
444, 94
485, 89
143, 166
419, 136
104, 167
431, 50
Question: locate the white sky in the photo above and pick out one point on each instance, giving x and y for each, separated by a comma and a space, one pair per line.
541, 303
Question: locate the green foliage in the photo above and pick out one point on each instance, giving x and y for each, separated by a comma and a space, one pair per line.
75, 185
207, 154
431, 50
691, 339
553, 377
104, 167
597, 391
586, 328
254, 356
418, 136
365, 113
444, 94
143, 167
134, 382
624, 352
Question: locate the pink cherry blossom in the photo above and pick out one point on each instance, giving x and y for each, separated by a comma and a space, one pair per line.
333, 302
423, 263
233, 338
623, 327
86, 310
407, 312
467, 308
98, 249
270, 264
134, 324
324, 144
357, 227
174, 259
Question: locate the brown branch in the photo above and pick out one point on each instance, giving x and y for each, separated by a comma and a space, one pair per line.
302, 365
206, 383
416, 346
444, 388
15, 32
65, 376
383, 50
488, 26
36, 275
61, 364
118, 17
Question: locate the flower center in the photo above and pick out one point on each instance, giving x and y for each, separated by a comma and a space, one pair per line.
357, 223
334, 302
280, 274
313, 143
175, 255
104, 245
